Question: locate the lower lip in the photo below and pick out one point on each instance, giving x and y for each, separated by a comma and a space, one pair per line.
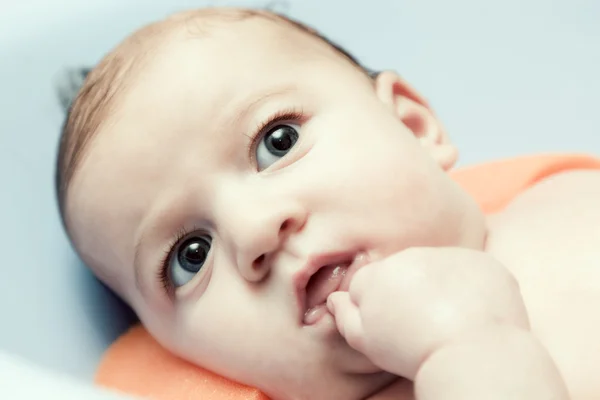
315, 314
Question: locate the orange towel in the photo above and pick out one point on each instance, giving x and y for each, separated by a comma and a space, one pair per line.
138, 365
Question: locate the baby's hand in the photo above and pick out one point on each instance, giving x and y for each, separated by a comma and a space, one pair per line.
399, 310
450, 319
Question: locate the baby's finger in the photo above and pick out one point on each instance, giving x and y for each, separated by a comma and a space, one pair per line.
361, 283
347, 318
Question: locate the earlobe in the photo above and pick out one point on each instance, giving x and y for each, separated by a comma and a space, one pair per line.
414, 112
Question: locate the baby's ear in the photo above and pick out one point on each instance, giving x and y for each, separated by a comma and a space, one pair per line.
414, 112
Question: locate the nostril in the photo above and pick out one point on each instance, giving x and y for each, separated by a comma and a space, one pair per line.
257, 264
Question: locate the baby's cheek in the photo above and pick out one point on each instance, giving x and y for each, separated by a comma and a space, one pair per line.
200, 336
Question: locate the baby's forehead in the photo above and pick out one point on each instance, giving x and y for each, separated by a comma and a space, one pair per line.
241, 28
189, 80
184, 53
249, 56
238, 46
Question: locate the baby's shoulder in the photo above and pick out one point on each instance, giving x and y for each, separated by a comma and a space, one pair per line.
549, 237
569, 199
558, 215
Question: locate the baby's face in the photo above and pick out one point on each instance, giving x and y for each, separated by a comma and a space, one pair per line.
236, 166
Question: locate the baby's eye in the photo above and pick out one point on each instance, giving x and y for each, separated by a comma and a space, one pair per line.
189, 258
275, 144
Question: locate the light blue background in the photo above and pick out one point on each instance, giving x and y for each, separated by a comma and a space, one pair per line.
508, 78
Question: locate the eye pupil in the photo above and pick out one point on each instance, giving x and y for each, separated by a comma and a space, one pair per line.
193, 254
281, 139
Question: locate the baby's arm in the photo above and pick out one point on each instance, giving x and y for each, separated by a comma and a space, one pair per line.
502, 363
453, 321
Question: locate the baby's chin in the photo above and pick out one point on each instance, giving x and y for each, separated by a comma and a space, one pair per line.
349, 360
352, 376
345, 387
339, 372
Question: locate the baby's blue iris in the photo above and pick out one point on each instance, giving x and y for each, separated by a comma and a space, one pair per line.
276, 143
191, 256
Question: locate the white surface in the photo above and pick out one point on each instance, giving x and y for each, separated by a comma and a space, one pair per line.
22, 380
508, 78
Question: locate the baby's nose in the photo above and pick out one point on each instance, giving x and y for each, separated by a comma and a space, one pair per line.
256, 221
257, 245
262, 236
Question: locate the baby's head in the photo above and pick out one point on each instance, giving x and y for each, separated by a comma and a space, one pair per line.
215, 161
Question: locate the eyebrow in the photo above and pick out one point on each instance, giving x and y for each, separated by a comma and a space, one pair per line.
247, 106
137, 267
147, 226
250, 106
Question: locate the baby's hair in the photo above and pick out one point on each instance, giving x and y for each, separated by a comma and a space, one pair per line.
98, 93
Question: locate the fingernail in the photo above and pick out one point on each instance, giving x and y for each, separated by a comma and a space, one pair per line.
330, 305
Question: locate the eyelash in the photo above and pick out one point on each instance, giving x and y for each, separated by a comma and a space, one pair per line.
286, 115
163, 272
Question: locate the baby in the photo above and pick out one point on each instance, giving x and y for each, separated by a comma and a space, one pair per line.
278, 214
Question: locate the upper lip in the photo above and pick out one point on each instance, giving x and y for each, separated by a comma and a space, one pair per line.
314, 263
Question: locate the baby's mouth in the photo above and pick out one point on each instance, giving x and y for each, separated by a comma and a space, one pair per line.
320, 285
